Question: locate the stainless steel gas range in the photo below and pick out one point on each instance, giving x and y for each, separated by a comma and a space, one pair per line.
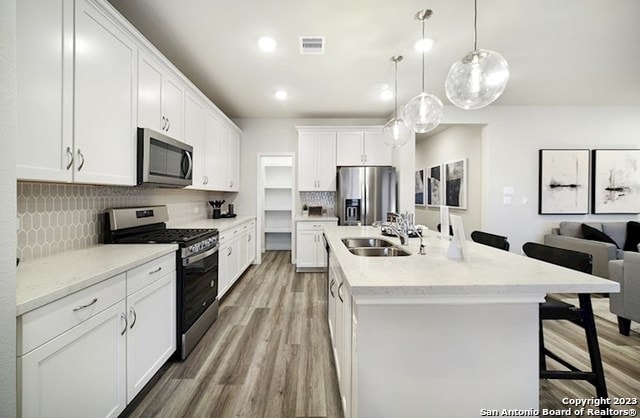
196, 265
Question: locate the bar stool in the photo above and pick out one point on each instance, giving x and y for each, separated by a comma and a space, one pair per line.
492, 240
582, 316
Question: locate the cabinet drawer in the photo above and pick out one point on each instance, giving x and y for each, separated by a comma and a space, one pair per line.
42, 324
148, 273
314, 225
233, 232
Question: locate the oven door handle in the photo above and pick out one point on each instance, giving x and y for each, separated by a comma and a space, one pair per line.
198, 257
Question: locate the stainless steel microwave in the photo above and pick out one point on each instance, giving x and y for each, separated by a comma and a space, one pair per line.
163, 161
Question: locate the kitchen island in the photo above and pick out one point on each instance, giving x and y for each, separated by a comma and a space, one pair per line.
426, 336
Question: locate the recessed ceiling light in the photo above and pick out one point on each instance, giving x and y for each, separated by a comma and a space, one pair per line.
281, 94
267, 44
386, 95
424, 44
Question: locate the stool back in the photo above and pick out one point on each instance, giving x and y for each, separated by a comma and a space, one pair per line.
492, 240
574, 260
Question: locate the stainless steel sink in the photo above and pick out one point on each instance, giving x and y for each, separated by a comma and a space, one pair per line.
379, 251
365, 242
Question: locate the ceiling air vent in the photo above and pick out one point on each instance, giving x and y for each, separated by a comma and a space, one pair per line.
312, 45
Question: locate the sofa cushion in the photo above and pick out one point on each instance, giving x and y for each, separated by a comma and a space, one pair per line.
574, 229
633, 236
617, 231
594, 234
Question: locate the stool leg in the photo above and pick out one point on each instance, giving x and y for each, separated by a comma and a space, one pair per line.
624, 326
543, 360
592, 344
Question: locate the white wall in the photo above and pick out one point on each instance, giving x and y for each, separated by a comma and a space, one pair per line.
273, 135
454, 143
8, 208
511, 140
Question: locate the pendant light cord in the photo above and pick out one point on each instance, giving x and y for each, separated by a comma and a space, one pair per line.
475, 25
395, 106
423, 48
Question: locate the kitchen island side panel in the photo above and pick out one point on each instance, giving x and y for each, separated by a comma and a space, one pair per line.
446, 360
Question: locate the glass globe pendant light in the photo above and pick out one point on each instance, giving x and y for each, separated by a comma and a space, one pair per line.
479, 78
423, 112
395, 132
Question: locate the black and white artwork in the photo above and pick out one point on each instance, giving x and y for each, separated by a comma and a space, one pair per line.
616, 181
419, 188
563, 185
455, 180
434, 185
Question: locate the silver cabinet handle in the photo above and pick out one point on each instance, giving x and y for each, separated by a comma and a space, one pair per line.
249, 238
133, 311
333, 295
164, 123
213, 283
168, 124
155, 271
81, 163
70, 154
124, 317
229, 252
339, 292
81, 307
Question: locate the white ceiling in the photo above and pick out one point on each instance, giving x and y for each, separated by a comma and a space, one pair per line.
560, 52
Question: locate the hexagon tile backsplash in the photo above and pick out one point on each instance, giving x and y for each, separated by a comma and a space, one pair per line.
61, 217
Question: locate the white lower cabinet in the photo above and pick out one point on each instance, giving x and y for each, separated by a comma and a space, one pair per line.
80, 373
237, 252
88, 354
151, 337
310, 249
340, 317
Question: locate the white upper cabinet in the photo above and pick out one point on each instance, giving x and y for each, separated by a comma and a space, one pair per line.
194, 135
376, 152
316, 160
161, 98
86, 80
105, 86
363, 147
45, 98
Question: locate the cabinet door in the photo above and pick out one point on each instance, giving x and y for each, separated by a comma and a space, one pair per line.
349, 148
223, 269
345, 392
326, 165
212, 151
234, 261
80, 372
321, 252
234, 160
105, 91
149, 92
151, 337
194, 135
306, 253
222, 161
172, 105
307, 158
45, 97
251, 244
376, 151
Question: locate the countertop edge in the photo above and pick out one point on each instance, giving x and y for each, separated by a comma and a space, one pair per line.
155, 251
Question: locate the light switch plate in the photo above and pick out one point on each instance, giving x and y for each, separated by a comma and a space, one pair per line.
508, 190
506, 200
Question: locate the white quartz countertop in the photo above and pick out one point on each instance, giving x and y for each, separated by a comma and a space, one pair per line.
307, 218
222, 224
489, 272
47, 279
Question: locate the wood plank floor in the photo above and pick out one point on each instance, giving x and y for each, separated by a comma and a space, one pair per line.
268, 355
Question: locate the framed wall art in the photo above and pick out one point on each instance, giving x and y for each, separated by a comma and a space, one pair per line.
563, 181
434, 185
455, 184
615, 181
419, 191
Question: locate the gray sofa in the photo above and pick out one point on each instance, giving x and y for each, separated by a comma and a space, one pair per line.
626, 304
569, 236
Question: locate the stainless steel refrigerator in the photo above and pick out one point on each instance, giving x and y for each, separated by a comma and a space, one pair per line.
365, 194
